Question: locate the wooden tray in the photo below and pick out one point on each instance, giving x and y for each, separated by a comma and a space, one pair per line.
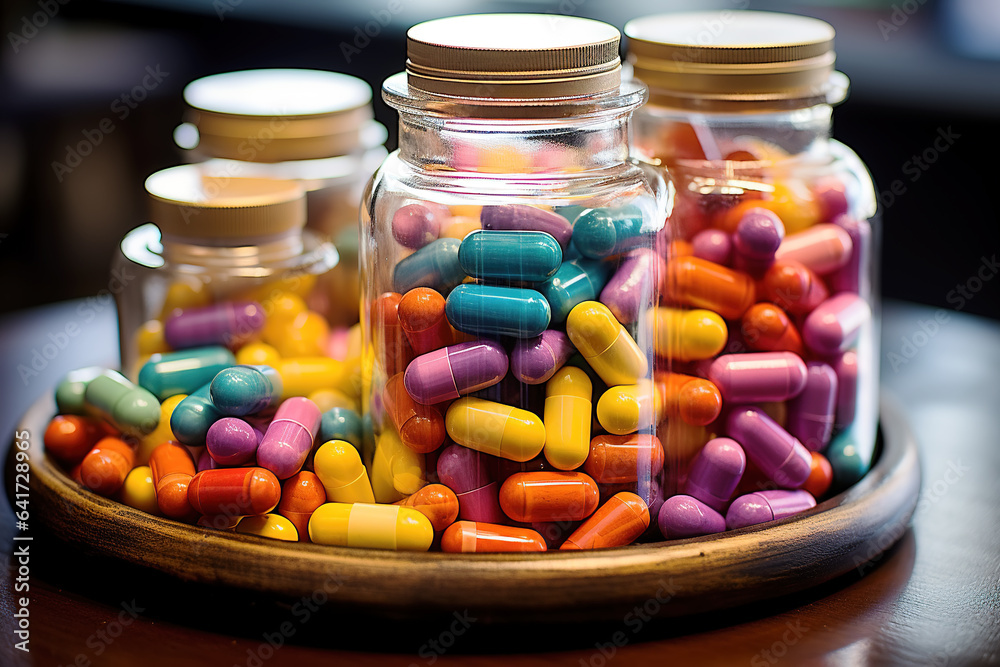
670, 578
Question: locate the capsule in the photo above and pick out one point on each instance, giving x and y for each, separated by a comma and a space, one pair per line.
758, 235
846, 368
397, 471
605, 344
165, 375
820, 476
371, 526
851, 276
301, 494
758, 376
105, 467
823, 248
681, 441
835, 324
172, 469
72, 388
436, 502
301, 376
421, 314
767, 328
246, 390
695, 400
811, 413
193, 416
485, 310
520, 217
420, 427
536, 360
234, 491
183, 295
205, 461
576, 281
495, 428
258, 354
619, 521
792, 287
454, 371
847, 458
69, 438
271, 526
687, 335
510, 255
602, 232
623, 459
131, 409
763, 506
479, 537
548, 496
458, 227
635, 286
695, 282
162, 433
392, 348
567, 418
627, 408
138, 490
472, 476
416, 225
771, 448
713, 245
435, 265
340, 424
344, 477
289, 437
683, 516
304, 336
226, 323
232, 441
716, 472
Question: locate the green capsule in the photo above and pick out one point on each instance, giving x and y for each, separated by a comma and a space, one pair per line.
132, 409
71, 389
172, 373
341, 424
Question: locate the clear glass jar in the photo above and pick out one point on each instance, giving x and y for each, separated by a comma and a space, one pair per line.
771, 289
311, 126
507, 261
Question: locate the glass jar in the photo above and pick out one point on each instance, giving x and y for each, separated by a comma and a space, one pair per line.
507, 261
311, 126
770, 290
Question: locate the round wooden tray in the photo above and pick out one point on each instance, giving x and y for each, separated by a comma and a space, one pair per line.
668, 578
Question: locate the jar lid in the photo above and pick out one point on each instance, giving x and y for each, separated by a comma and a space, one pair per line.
529, 56
185, 202
694, 59
274, 115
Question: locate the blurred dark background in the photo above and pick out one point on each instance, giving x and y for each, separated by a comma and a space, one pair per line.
72, 73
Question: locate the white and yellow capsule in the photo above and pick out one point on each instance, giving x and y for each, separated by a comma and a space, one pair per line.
371, 527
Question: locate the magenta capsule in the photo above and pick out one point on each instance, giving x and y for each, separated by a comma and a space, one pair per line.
764, 506
824, 248
205, 461
846, 368
683, 516
635, 286
831, 195
810, 414
771, 448
416, 225
471, 475
713, 245
527, 218
834, 325
454, 371
849, 277
536, 360
289, 438
757, 237
758, 376
232, 441
227, 323
716, 472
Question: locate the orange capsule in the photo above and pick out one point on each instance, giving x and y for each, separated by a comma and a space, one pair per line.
436, 502
697, 282
172, 468
69, 438
820, 476
301, 494
767, 328
695, 400
234, 491
549, 496
392, 348
104, 468
476, 537
420, 427
793, 287
618, 459
421, 314
618, 522
681, 441
679, 248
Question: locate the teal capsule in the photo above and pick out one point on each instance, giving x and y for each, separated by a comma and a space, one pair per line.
576, 281
602, 232
71, 389
435, 265
193, 417
846, 458
113, 397
341, 424
246, 390
171, 373
510, 255
485, 310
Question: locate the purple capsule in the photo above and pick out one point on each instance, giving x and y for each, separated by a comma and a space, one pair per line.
454, 371
227, 323
713, 245
756, 239
831, 195
232, 442
527, 218
415, 225
764, 506
635, 285
472, 476
758, 376
834, 325
684, 516
536, 360
810, 414
205, 461
846, 368
716, 472
289, 437
850, 277
771, 448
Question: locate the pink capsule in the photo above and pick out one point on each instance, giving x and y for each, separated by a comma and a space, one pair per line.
823, 248
764, 506
835, 324
416, 225
635, 286
456, 370
831, 195
850, 277
289, 438
846, 367
683, 516
713, 245
227, 323
771, 448
758, 376
472, 476
757, 237
810, 414
716, 472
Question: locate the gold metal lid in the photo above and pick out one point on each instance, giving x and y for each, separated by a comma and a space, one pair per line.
710, 58
274, 115
185, 202
529, 56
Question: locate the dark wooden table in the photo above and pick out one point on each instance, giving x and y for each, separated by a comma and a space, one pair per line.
933, 599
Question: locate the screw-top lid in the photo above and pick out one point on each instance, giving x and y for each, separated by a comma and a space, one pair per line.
273, 115
184, 202
530, 56
710, 58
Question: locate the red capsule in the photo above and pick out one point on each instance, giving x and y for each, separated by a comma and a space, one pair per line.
436, 502
420, 427
421, 314
301, 494
618, 522
619, 459
234, 491
549, 496
392, 348
68, 438
106, 466
172, 468
473, 537
792, 287
767, 328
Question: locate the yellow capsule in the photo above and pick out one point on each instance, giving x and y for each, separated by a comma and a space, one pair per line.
161, 433
397, 471
181, 295
149, 338
304, 336
301, 376
138, 491
794, 204
327, 399
258, 354
605, 344
273, 526
466, 210
281, 310
459, 227
567, 418
371, 527
265, 294
687, 335
495, 428
338, 466
626, 408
